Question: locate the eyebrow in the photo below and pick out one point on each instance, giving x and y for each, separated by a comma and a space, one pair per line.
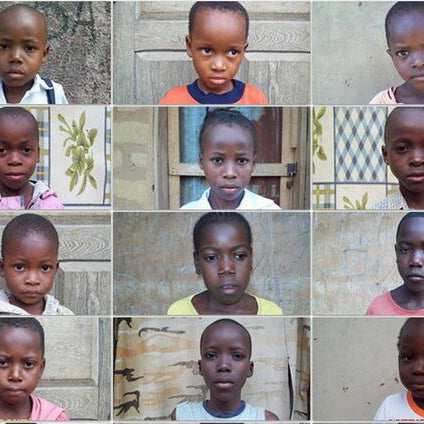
238, 246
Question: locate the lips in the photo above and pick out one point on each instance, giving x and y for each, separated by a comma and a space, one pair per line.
15, 74
230, 188
223, 384
218, 80
15, 176
418, 77
416, 177
229, 287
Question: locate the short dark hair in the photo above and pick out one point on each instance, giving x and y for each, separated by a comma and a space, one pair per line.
400, 8
22, 226
406, 217
28, 323
219, 218
224, 6
396, 111
229, 117
16, 112
405, 324
230, 321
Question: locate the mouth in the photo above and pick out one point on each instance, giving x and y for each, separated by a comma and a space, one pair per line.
418, 77
223, 384
229, 288
13, 176
416, 177
230, 189
415, 277
31, 294
15, 74
218, 80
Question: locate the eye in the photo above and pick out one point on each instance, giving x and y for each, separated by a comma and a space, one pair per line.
2, 150
209, 355
210, 258
3, 46
233, 53
238, 356
46, 268
3, 363
402, 53
401, 148
30, 48
206, 50
240, 256
29, 364
242, 161
18, 267
406, 356
217, 160
27, 150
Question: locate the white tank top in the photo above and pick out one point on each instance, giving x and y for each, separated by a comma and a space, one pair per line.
195, 411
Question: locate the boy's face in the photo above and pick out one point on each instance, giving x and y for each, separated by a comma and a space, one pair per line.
225, 363
217, 44
19, 154
410, 253
23, 47
411, 359
29, 267
406, 47
404, 147
228, 160
224, 260
21, 364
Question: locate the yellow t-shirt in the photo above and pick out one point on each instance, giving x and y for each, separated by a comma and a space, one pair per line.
185, 307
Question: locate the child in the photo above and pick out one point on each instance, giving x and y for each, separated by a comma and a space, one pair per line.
29, 264
19, 154
23, 49
408, 406
405, 40
407, 299
226, 350
21, 367
403, 151
228, 146
216, 43
223, 257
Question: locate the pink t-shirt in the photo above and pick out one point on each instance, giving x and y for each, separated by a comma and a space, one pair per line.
44, 410
385, 305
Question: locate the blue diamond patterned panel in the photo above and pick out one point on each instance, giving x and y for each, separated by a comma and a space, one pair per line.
358, 136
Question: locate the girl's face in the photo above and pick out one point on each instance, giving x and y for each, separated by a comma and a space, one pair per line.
406, 48
228, 160
224, 260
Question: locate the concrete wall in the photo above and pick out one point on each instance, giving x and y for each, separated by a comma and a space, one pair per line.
350, 64
153, 261
353, 260
80, 38
354, 366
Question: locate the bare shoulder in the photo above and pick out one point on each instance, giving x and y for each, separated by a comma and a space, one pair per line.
174, 414
270, 416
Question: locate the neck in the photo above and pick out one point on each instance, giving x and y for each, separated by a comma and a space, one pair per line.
225, 89
224, 407
418, 401
407, 94
217, 203
205, 304
34, 309
21, 411
408, 299
16, 94
415, 200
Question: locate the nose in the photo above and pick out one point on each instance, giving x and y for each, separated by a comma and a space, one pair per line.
418, 59
14, 158
15, 54
417, 258
32, 278
229, 170
417, 157
226, 265
419, 366
15, 373
223, 364
218, 63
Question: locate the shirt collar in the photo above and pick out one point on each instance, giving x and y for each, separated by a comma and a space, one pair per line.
232, 96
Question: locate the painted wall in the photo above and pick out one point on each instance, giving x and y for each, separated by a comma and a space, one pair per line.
153, 261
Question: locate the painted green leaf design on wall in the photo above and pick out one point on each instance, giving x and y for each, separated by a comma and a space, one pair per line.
79, 143
317, 147
360, 205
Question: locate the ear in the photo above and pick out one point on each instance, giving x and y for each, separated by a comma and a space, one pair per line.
389, 53
46, 52
200, 161
196, 263
254, 162
199, 363
38, 153
245, 47
384, 153
57, 266
43, 365
251, 366
188, 45
2, 267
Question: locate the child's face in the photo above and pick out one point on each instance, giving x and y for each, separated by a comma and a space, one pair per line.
228, 160
406, 47
224, 259
225, 362
216, 45
19, 153
411, 358
23, 47
404, 147
21, 365
29, 268
410, 254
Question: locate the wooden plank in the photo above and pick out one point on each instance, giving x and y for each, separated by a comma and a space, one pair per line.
105, 359
284, 77
85, 287
174, 156
261, 170
80, 403
123, 53
62, 218
303, 156
255, 9
264, 35
161, 159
